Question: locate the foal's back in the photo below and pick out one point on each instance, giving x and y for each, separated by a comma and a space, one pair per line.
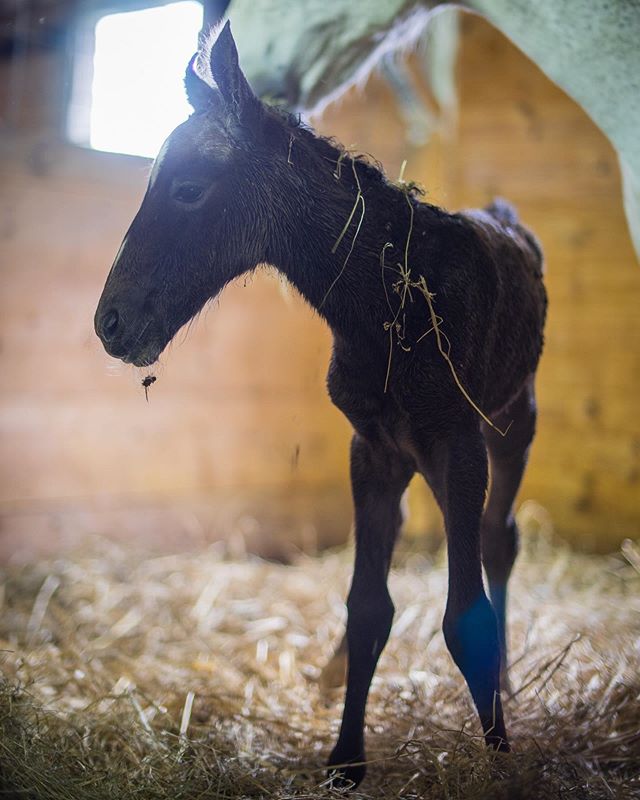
516, 320
484, 271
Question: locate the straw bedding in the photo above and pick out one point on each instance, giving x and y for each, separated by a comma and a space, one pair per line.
127, 675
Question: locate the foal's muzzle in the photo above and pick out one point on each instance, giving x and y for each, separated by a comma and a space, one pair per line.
134, 344
107, 325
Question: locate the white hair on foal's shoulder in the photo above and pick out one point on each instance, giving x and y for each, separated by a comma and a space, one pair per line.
202, 64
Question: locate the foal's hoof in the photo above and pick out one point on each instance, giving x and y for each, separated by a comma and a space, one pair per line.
345, 773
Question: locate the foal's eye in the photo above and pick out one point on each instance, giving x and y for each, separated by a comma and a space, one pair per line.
187, 192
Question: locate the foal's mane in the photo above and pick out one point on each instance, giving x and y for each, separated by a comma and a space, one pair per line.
346, 162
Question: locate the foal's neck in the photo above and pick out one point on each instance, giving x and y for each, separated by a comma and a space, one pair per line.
343, 215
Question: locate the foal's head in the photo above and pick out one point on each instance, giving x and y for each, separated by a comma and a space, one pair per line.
202, 221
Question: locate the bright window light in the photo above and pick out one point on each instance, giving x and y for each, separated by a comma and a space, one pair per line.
137, 90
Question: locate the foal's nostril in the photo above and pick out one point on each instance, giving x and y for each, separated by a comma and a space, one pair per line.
110, 324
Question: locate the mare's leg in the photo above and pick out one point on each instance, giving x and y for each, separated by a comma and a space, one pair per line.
456, 470
499, 533
379, 476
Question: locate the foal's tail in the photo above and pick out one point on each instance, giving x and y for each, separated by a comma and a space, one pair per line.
505, 214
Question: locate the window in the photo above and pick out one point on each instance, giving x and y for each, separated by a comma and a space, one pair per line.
128, 92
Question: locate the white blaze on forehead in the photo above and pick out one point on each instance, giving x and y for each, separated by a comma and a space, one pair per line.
158, 163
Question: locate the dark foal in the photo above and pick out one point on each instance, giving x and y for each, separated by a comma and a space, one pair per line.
240, 184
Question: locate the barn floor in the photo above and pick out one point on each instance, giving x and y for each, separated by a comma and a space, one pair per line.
127, 675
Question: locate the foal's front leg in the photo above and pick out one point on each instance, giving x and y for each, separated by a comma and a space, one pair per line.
470, 625
379, 476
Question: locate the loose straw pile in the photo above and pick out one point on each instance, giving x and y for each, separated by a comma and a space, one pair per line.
130, 676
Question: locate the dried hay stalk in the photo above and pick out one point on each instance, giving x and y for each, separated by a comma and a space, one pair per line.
132, 676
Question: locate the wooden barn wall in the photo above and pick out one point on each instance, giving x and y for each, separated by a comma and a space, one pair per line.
238, 438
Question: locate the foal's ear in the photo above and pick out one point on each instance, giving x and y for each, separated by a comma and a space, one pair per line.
226, 72
199, 94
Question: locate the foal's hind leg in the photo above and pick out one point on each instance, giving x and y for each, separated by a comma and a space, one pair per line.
499, 533
469, 625
456, 469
